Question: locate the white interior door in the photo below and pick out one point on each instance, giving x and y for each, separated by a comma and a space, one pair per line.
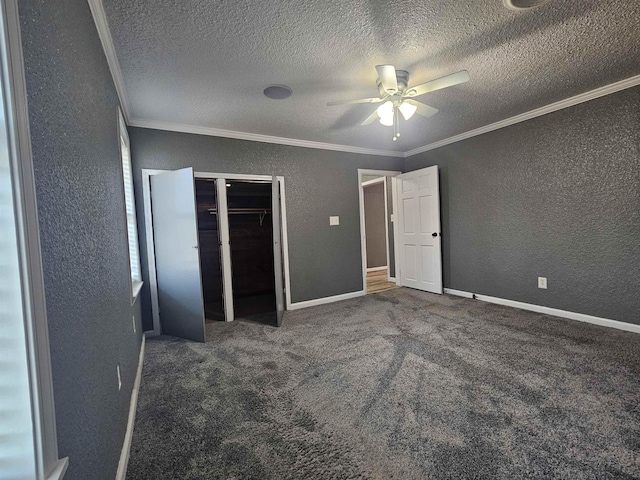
175, 234
419, 238
277, 248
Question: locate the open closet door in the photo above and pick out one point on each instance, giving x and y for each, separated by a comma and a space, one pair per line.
277, 248
419, 239
175, 235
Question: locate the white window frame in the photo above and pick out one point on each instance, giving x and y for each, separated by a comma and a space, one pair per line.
47, 464
133, 246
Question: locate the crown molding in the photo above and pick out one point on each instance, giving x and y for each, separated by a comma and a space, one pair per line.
100, 19
256, 137
553, 107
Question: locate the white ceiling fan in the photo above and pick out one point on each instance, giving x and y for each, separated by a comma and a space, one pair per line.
396, 96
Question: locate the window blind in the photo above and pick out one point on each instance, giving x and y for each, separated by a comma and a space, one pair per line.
17, 448
130, 207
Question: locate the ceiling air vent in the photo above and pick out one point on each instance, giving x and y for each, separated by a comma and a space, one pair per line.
277, 92
524, 4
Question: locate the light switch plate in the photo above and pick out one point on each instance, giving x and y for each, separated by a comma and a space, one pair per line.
334, 220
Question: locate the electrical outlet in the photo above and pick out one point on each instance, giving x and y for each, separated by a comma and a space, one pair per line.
133, 319
542, 282
334, 220
119, 379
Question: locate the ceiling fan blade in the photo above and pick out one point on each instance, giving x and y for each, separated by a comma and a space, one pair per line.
388, 79
360, 100
371, 118
422, 109
443, 82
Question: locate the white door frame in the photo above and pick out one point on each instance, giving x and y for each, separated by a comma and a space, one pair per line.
383, 181
148, 225
225, 249
383, 173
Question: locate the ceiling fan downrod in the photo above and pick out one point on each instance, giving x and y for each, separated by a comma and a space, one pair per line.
396, 124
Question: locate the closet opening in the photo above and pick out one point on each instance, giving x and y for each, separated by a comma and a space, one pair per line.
251, 244
252, 258
215, 251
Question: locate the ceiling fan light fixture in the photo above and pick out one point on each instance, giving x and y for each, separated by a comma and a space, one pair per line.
387, 121
395, 98
407, 110
385, 112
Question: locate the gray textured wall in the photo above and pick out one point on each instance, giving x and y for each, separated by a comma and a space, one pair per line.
556, 196
375, 231
72, 110
324, 260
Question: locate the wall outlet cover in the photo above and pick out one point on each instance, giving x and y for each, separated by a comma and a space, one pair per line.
334, 220
542, 282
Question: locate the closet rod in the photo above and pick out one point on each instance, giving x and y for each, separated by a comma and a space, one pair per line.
241, 211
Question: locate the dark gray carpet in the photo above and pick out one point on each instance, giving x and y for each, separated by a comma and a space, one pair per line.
399, 384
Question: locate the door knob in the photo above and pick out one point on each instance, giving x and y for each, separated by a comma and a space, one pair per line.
434, 234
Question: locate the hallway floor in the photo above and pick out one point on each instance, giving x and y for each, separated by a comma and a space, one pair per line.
377, 281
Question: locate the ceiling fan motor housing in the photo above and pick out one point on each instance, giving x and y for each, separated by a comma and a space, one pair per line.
402, 76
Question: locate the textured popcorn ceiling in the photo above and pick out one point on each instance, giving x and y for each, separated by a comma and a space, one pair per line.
205, 63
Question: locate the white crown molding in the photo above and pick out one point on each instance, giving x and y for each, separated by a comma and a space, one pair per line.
553, 107
100, 19
104, 33
256, 137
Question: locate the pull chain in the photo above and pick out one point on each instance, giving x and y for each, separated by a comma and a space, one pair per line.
396, 125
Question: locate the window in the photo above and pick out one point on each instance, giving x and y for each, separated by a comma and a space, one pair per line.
17, 458
130, 209
28, 442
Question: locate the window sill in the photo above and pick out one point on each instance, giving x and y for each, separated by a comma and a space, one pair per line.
58, 472
135, 291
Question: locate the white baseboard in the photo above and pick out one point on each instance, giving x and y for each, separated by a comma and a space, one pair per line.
126, 446
322, 301
458, 293
376, 269
581, 317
